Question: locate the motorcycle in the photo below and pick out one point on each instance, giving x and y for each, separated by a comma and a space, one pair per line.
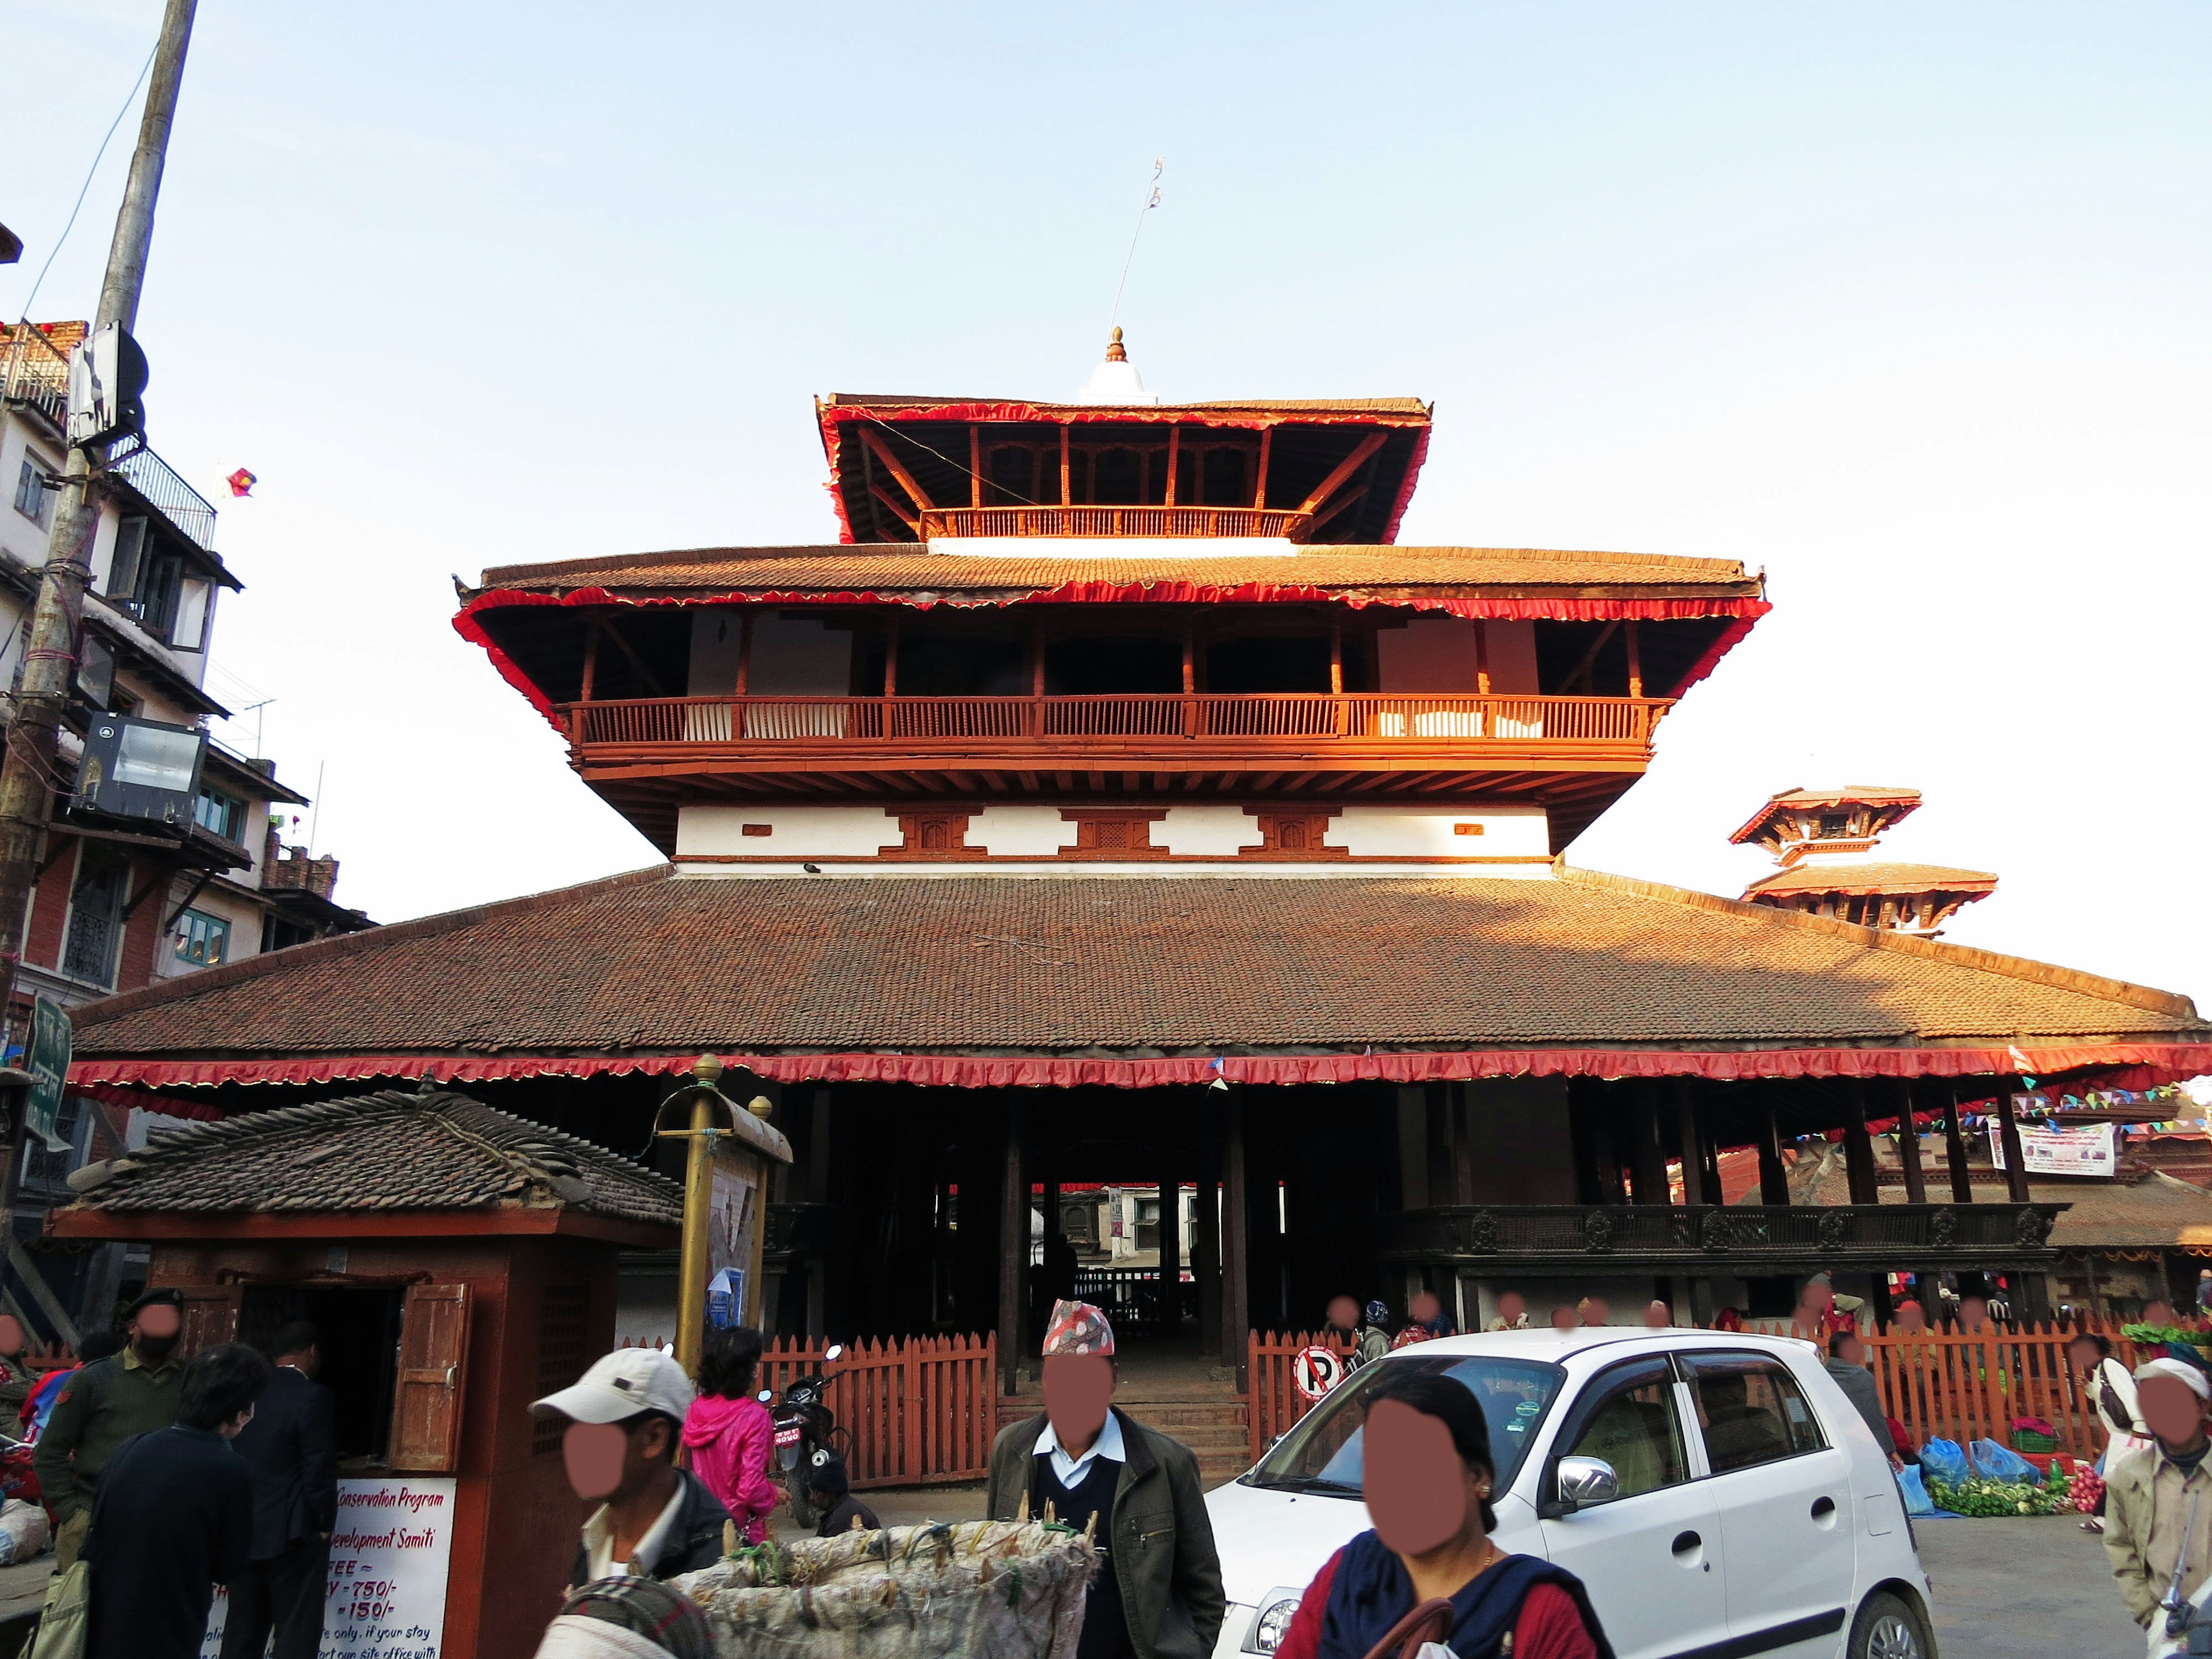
806, 1434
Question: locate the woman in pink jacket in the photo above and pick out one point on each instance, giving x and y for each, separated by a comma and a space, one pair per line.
730, 1433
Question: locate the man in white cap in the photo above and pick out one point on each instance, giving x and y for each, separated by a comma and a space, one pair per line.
625, 1420
2158, 1500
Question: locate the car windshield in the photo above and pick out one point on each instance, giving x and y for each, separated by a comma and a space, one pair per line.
1321, 1453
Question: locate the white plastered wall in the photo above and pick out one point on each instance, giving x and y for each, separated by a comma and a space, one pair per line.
793, 657
1437, 654
1208, 830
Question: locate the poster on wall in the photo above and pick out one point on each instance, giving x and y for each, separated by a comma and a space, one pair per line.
733, 1214
388, 1579
2088, 1150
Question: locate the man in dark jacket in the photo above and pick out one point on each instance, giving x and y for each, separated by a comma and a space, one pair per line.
1158, 1593
174, 1516
625, 1418
291, 1447
103, 1405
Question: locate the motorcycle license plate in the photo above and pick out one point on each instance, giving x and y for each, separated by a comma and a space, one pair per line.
787, 1437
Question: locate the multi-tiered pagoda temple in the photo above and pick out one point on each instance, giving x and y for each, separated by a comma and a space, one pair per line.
1114, 799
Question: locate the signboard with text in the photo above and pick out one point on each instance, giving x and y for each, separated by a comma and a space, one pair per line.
388, 1579
48, 1063
2089, 1150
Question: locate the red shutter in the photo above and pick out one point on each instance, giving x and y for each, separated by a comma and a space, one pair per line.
433, 1348
210, 1317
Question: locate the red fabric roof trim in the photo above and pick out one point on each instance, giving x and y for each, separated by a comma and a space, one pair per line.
2170, 1062
1406, 488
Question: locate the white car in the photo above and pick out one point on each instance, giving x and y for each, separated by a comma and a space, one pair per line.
1716, 1493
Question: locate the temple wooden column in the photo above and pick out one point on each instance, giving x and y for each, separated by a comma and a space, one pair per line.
1235, 1242
1954, 1148
1648, 1156
1773, 1175
1205, 1242
1170, 1253
1442, 1144
1013, 1245
1859, 1146
1695, 1189
2009, 1133
1908, 1145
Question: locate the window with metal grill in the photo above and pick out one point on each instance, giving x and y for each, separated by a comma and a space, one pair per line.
562, 1328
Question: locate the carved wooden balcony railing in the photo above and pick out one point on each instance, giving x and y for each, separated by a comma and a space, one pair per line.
1733, 1238
1178, 521
1603, 730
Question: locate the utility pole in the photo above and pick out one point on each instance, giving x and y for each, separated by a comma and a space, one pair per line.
28, 778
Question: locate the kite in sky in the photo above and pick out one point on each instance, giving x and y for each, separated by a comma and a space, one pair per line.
241, 483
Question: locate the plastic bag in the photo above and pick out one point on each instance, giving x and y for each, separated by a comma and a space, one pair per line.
1994, 1462
1917, 1500
24, 1531
1941, 1462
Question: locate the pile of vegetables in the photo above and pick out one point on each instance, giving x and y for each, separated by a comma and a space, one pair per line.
2085, 1489
2157, 1336
1993, 1497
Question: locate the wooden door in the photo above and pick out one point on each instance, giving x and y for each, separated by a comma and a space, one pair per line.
434, 1351
210, 1317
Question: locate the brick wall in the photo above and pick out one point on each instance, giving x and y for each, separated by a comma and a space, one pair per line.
42, 942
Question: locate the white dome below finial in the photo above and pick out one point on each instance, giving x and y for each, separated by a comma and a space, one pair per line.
1116, 380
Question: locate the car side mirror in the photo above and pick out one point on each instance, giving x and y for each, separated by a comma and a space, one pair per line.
1586, 1480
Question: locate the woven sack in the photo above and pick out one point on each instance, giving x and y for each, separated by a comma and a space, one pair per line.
969, 1590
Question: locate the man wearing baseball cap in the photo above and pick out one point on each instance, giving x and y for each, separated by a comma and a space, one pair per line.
625, 1420
2152, 1494
103, 1404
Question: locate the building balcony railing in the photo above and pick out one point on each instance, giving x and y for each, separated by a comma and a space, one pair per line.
35, 375
1178, 521
158, 484
1734, 1238
1617, 728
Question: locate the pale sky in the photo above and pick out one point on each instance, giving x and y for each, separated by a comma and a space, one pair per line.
1905, 305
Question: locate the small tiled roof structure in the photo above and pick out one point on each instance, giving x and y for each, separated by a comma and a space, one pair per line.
895, 569
1851, 794
394, 1150
882, 973
1857, 879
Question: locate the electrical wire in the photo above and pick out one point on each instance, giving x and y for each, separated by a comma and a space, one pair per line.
90, 174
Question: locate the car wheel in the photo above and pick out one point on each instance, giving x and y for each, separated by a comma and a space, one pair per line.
1887, 1628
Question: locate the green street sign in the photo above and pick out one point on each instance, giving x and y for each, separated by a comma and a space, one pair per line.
48, 1063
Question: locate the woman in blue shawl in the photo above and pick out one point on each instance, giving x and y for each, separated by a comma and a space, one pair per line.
1427, 1475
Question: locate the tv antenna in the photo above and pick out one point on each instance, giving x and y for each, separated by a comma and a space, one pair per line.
1159, 166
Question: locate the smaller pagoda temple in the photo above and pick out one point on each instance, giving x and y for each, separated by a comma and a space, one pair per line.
1824, 841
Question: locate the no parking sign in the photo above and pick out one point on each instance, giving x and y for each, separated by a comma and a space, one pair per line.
1316, 1370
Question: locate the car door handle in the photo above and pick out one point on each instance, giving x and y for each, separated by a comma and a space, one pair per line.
1687, 1544
1823, 1507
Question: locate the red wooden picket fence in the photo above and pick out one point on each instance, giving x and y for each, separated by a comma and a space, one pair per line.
919, 1412
1959, 1386
1965, 1387
1272, 1402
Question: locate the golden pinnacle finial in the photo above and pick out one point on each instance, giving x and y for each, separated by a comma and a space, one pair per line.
761, 1107
707, 1069
1113, 352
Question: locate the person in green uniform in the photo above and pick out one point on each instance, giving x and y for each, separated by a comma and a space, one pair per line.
103, 1405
